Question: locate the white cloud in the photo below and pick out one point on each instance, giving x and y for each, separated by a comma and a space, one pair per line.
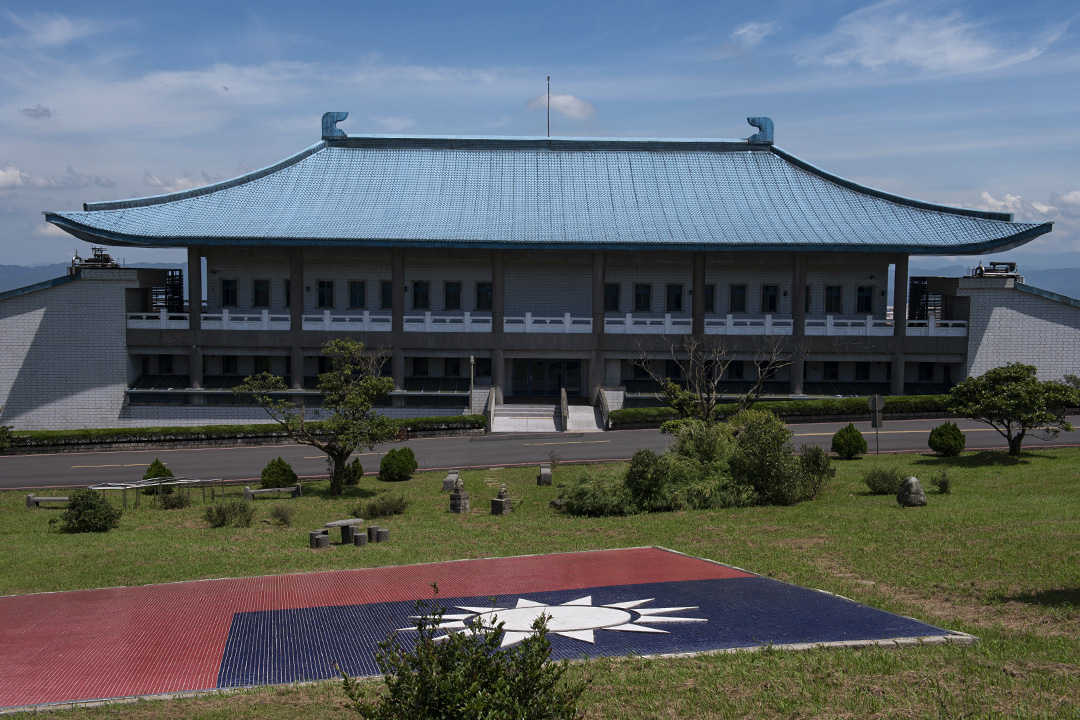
892, 33
749, 35
11, 176
184, 182
1063, 210
55, 30
50, 230
568, 105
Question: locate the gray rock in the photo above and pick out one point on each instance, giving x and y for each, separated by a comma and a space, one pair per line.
911, 493
557, 503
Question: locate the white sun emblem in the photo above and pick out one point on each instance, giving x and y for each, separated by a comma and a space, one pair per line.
576, 619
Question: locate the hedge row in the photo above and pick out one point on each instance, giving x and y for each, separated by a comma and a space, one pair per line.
844, 407
40, 438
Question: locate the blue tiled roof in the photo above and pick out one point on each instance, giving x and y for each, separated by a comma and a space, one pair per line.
520, 193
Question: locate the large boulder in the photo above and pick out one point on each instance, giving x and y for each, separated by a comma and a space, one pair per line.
911, 493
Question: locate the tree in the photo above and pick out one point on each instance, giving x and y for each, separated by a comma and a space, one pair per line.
702, 363
347, 419
1013, 401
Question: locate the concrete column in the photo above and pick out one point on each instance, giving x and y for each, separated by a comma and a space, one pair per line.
900, 296
697, 296
596, 374
498, 297
195, 298
599, 277
397, 302
896, 385
797, 372
296, 317
498, 370
397, 368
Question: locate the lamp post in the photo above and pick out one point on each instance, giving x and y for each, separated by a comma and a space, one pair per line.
472, 373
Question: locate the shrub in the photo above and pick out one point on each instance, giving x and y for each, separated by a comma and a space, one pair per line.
156, 470
88, 511
849, 443
5, 436
597, 496
353, 472
763, 459
947, 439
397, 464
942, 482
644, 479
238, 513
278, 473
178, 501
882, 481
382, 506
468, 675
282, 515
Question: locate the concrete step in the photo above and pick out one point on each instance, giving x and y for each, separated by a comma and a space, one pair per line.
526, 410
584, 419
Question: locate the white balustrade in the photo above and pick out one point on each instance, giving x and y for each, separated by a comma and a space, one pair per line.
447, 323
228, 320
531, 324
360, 322
932, 327
162, 320
642, 325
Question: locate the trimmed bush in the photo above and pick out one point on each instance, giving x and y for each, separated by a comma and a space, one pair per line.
381, 507
5, 436
947, 439
282, 515
353, 472
177, 501
882, 481
238, 513
157, 469
398, 464
278, 473
88, 511
849, 443
942, 482
467, 674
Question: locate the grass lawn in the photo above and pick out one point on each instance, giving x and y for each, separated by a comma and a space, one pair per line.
999, 558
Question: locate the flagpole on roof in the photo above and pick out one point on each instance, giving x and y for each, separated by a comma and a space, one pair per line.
549, 105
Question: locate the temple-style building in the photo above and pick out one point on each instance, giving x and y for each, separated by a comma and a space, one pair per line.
505, 268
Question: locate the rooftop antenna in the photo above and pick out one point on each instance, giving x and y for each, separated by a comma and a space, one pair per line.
549, 105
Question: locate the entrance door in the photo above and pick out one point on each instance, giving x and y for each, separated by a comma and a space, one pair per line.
545, 378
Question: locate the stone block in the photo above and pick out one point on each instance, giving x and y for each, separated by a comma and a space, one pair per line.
373, 534
450, 481
500, 506
382, 534
544, 478
359, 539
459, 502
318, 539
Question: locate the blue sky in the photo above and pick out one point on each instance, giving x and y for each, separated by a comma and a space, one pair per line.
974, 104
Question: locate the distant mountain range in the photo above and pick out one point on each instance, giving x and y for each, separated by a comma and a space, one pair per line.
1065, 281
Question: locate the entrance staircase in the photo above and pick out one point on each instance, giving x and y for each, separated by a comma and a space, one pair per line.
517, 418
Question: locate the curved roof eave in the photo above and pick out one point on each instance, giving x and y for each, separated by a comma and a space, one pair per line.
109, 238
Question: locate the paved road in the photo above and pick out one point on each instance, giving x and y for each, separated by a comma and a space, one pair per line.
245, 464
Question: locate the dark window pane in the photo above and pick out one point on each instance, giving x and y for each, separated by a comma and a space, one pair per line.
737, 302
165, 364
611, 297
830, 370
421, 297
228, 365
419, 367
862, 371
452, 367
326, 294
288, 293
228, 293
643, 298
864, 299
386, 295
483, 296
674, 298
452, 296
262, 364
735, 370
833, 300
260, 293
710, 298
807, 308
357, 294
769, 297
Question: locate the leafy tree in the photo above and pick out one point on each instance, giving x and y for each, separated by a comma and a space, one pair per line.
848, 442
347, 418
89, 511
278, 473
1012, 400
947, 439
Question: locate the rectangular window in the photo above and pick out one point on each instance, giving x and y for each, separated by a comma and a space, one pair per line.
833, 300
483, 296
483, 367
288, 293
386, 295
323, 364
419, 367
611, 297
926, 372
452, 367
806, 308
735, 370
421, 297
228, 365
357, 294
862, 371
452, 296
672, 370
260, 293
737, 299
674, 298
326, 294
228, 293
830, 370
864, 299
769, 299
642, 298
710, 298
262, 364
164, 365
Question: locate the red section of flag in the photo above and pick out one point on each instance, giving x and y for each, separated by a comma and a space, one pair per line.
95, 644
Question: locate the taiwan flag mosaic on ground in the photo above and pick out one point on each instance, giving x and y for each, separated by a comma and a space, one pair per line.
203, 635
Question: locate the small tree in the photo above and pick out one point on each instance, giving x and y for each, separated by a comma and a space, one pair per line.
947, 439
155, 471
348, 420
397, 464
278, 473
848, 442
89, 511
1012, 400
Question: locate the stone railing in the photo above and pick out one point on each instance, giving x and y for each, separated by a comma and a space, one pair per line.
359, 322
832, 325
228, 320
738, 325
631, 324
447, 323
931, 327
531, 324
163, 320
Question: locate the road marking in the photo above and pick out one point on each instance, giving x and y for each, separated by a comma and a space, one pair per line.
890, 432
104, 466
568, 442
323, 457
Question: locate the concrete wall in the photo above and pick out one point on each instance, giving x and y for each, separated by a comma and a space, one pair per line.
1011, 322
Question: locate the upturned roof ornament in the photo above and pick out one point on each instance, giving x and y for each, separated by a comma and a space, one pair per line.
763, 124
329, 125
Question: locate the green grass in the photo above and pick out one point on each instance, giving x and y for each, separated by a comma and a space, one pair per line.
999, 557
